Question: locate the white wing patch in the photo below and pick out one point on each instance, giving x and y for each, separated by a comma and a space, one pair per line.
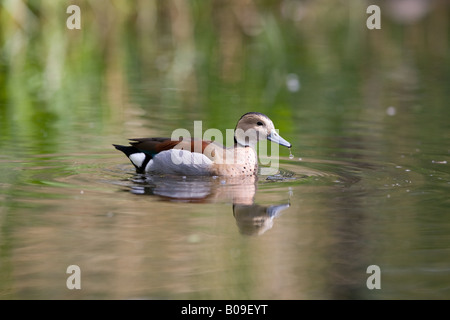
137, 159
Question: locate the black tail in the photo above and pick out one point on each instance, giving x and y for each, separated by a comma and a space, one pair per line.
128, 150
138, 158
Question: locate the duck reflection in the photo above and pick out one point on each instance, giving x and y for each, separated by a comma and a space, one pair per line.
251, 218
256, 219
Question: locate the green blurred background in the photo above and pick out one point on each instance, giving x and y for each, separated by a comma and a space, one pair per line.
366, 110
313, 66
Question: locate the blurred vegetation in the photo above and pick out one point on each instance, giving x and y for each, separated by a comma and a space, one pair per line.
313, 66
333, 87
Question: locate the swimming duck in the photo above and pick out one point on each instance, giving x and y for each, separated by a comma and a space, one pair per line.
201, 157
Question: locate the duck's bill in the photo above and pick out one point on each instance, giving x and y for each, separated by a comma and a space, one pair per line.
275, 137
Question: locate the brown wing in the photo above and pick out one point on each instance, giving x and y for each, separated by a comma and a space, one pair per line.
156, 145
151, 145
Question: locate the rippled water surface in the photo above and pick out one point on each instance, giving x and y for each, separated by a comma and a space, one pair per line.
309, 232
368, 184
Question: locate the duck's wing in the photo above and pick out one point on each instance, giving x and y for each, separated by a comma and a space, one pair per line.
154, 146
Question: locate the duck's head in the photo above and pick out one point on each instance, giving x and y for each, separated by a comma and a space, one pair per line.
255, 126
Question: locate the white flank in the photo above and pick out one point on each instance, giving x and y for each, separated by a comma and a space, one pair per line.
177, 161
149, 165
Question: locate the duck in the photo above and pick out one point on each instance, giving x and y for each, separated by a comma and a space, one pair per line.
194, 157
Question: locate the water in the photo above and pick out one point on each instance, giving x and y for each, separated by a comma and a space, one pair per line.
291, 156
366, 183
309, 232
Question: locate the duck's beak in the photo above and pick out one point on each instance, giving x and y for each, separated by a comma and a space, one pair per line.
275, 137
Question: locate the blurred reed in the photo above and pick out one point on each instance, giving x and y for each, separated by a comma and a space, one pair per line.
214, 58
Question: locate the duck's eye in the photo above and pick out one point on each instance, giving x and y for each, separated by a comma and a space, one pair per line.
259, 123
